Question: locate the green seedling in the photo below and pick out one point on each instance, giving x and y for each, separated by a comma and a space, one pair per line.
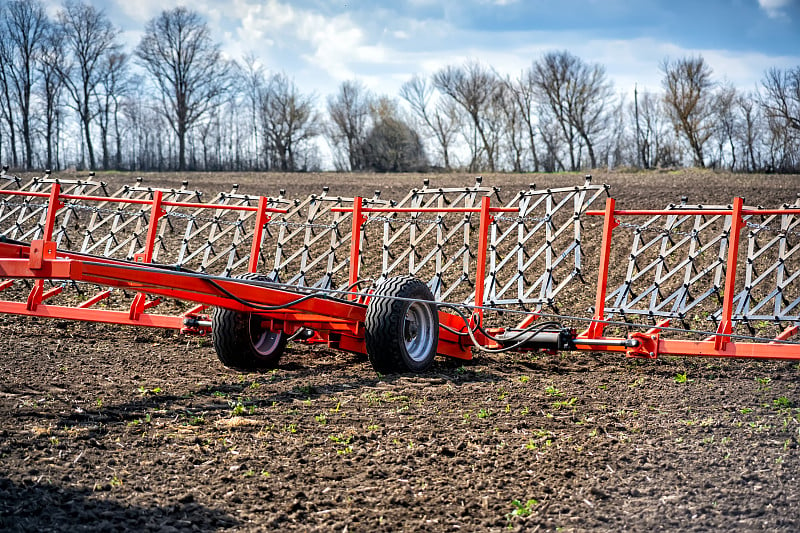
520, 509
552, 391
237, 407
565, 403
682, 378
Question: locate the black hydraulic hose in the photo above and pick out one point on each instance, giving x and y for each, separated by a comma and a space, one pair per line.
537, 328
258, 306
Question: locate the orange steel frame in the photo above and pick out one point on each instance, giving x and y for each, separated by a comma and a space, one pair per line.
338, 321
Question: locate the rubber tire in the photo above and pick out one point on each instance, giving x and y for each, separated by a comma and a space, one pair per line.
386, 323
237, 337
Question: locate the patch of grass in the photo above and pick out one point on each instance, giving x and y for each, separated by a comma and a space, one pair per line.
343, 443
306, 390
782, 403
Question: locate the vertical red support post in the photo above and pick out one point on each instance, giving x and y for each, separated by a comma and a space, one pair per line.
483, 249
609, 223
44, 248
725, 324
355, 242
53, 205
258, 233
156, 212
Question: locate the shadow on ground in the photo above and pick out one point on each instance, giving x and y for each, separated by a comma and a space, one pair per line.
43, 507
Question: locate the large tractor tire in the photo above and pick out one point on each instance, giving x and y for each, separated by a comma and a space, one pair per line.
401, 334
240, 340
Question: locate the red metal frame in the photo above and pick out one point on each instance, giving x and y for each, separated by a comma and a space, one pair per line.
340, 321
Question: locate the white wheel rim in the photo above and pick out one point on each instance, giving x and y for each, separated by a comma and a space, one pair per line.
264, 342
418, 331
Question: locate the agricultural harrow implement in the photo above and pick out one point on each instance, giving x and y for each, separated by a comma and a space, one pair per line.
447, 271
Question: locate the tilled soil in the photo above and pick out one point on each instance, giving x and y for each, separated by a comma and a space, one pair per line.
111, 428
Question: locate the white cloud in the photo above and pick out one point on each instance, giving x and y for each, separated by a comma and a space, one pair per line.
321, 46
332, 44
774, 8
141, 11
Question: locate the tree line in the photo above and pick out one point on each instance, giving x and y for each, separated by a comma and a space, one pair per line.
72, 96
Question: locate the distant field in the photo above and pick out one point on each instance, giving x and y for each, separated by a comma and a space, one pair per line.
633, 189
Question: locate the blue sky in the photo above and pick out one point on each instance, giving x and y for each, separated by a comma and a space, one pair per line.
321, 43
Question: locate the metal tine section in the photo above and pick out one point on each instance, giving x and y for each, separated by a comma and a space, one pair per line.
122, 228
534, 256
677, 266
769, 290
220, 237
27, 215
313, 242
438, 248
9, 207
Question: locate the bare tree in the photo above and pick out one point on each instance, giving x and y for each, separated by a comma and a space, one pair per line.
88, 36
50, 65
391, 144
689, 100
188, 69
349, 112
289, 121
25, 25
8, 107
524, 94
514, 126
112, 87
254, 81
441, 118
752, 129
650, 125
577, 94
781, 98
727, 125
472, 87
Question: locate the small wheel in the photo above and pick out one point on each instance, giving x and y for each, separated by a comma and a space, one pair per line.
401, 335
240, 340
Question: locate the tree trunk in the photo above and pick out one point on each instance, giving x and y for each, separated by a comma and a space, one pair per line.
181, 147
87, 134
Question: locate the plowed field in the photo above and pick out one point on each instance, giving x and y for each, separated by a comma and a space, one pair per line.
113, 428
